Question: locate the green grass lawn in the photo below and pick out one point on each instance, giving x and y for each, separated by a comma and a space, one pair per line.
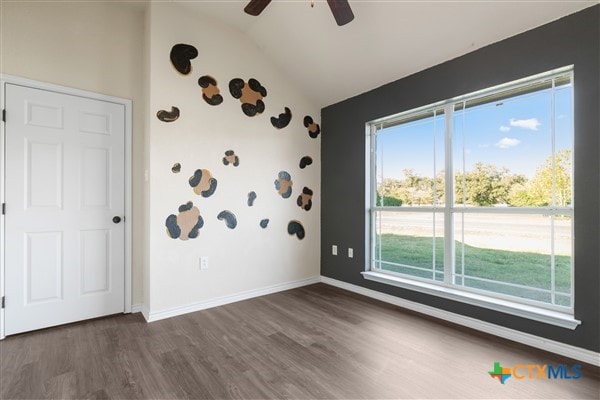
524, 268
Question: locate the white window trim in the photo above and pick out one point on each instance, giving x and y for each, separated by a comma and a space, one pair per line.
564, 320
496, 301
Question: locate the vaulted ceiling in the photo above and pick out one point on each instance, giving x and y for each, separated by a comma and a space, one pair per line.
386, 41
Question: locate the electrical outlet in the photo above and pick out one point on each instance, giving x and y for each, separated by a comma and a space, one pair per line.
334, 250
350, 252
204, 262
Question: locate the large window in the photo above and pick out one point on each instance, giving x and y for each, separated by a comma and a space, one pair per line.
475, 193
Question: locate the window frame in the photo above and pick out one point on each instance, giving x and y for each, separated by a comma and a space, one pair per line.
551, 313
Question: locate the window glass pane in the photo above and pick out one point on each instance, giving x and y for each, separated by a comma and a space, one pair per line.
410, 243
501, 151
512, 254
409, 156
563, 250
563, 110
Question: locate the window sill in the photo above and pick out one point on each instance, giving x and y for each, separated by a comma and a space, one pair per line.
556, 318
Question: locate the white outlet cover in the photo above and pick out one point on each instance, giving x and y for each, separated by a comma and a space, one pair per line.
204, 262
350, 252
334, 250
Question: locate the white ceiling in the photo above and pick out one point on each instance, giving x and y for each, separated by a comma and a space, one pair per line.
386, 41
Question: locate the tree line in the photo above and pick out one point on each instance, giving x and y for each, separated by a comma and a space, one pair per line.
485, 185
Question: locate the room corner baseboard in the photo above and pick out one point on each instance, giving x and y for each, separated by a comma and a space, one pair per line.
145, 312
563, 349
152, 316
136, 308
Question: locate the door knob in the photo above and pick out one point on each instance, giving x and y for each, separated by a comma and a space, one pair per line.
116, 219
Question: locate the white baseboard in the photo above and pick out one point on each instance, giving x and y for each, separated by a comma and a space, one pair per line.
145, 312
136, 308
563, 349
152, 316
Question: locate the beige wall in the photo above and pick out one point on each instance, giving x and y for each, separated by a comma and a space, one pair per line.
246, 258
119, 49
90, 46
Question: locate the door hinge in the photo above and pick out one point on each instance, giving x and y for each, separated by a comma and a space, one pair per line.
3, 304
4, 115
3, 208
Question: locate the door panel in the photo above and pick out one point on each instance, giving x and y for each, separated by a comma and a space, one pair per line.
95, 123
43, 174
95, 265
95, 177
44, 267
65, 181
44, 115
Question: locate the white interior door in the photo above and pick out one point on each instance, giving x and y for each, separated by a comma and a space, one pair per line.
65, 182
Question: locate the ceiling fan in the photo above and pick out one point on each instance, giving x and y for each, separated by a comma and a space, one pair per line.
340, 8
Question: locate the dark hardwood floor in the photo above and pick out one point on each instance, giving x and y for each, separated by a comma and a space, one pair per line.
314, 342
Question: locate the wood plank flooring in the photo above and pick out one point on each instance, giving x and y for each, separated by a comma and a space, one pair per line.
315, 342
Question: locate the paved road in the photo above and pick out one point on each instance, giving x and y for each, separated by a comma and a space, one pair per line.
503, 232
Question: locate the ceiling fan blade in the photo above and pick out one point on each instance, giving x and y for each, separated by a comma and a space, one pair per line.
255, 7
341, 11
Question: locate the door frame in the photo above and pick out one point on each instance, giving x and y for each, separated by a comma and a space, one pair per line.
16, 80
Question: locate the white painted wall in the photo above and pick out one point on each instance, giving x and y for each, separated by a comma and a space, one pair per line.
145, 237
95, 46
248, 257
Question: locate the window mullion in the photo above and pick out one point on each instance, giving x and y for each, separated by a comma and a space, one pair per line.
552, 218
449, 199
373, 196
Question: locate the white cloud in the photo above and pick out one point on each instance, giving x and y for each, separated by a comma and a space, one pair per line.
507, 143
504, 128
531, 123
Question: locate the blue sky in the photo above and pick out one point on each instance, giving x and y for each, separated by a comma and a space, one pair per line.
515, 134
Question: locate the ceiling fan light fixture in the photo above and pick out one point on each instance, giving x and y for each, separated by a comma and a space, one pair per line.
339, 8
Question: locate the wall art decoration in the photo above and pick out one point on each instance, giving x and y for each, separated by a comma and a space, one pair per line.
181, 55
229, 217
283, 184
231, 158
251, 198
283, 120
264, 223
186, 225
168, 116
305, 161
250, 95
203, 183
313, 127
305, 199
210, 90
295, 228
176, 168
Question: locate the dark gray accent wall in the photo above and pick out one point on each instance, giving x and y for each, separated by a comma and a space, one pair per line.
572, 40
